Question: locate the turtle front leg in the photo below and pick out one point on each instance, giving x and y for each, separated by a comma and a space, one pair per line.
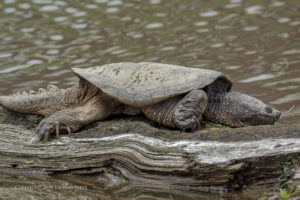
188, 111
63, 121
182, 111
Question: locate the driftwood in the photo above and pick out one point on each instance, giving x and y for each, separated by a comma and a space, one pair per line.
126, 150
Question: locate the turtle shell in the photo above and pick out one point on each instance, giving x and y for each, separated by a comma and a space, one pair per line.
146, 83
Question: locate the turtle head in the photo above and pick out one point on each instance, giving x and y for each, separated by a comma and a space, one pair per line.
235, 109
245, 110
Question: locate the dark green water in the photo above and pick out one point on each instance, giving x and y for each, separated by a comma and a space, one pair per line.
256, 43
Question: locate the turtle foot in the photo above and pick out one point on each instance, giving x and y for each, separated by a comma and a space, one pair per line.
188, 112
47, 127
188, 124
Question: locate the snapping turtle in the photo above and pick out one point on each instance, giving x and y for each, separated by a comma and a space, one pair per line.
171, 95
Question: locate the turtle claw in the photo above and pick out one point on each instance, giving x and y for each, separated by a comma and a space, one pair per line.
189, 124
57, 131
69, 130
46, 137
46, 128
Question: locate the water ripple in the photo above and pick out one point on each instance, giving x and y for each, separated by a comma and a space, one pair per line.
91, 6
9, 10
79, 26
5, 55
60, 19
27, 30
24, 6
154, 1
284, 20
9, 1
71, 10
211, 13
101, 1
49, 8
112, 10
13, 68
42, 1
201, 23
114, 3
52, 51
250, 28
253, 10
257, 78
154, 25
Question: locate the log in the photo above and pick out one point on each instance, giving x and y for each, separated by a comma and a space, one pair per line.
127, 152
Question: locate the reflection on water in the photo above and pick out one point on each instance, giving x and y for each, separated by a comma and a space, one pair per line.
26, 187
255, 42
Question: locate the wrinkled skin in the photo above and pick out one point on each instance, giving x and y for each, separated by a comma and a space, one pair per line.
235, 109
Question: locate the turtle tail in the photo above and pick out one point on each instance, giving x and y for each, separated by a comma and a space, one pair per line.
43, 102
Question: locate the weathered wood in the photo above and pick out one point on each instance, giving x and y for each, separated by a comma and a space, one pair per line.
130, 150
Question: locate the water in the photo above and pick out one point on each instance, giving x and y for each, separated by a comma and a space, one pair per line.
256, 43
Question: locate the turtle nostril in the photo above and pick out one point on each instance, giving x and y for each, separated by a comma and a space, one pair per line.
268, 109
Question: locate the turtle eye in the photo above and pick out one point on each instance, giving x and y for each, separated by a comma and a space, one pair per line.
268, 109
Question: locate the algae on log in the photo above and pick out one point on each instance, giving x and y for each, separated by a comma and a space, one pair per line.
132, 151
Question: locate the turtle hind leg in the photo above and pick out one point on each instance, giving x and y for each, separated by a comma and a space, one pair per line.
71, 119
182, 111
188, 111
